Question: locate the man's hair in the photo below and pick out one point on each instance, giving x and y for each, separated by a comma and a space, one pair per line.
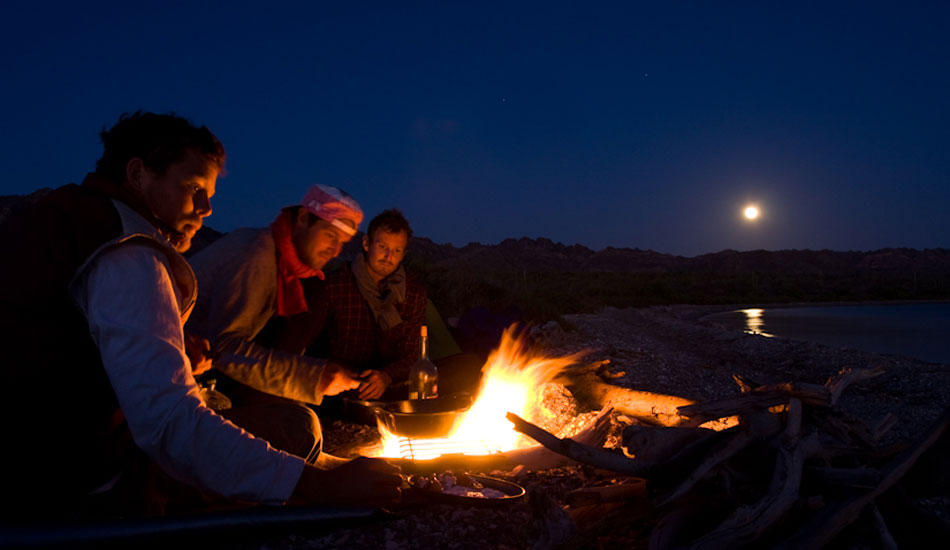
295, 211
392, 221
159, 140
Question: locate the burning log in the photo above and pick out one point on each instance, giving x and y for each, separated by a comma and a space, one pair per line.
652, 408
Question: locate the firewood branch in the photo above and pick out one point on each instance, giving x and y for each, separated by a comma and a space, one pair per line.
748, 523
758, 426
822, 528
579, 452
837, 384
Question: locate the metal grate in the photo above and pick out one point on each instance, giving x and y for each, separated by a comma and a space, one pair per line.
426, 449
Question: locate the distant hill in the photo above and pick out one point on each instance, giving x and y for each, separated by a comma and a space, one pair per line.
544, 279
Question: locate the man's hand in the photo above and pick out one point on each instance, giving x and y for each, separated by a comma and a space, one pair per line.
198, 350
336, 378
363, 481
374, 384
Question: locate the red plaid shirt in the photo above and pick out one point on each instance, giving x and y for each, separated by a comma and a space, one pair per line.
355, 338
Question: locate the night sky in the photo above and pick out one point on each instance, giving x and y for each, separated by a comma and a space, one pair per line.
629, 124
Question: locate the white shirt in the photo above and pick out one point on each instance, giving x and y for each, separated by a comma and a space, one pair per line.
133, 310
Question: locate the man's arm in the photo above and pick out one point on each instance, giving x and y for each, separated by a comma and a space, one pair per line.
133, 313
241, 303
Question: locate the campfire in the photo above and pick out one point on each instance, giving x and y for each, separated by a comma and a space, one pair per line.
514, 381
775, 462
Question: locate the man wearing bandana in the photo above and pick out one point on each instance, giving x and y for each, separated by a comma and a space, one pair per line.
250, 276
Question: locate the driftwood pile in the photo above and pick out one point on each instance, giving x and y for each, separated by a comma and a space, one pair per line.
776, 466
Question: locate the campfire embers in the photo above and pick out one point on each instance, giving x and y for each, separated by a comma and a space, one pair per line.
414, 448
425, 449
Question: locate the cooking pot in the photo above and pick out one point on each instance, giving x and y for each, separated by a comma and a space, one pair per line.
422, 418
361, 411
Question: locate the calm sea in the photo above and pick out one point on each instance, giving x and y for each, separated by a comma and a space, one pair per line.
914, 330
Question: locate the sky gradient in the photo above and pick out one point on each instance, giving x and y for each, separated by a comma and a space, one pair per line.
643, 125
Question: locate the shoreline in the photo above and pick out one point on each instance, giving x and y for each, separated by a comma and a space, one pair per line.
670, 350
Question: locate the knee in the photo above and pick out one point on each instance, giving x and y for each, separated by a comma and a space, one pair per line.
303, 432
312, 423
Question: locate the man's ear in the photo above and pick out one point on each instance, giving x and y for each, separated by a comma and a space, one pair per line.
365, 243
135, 173
303, 219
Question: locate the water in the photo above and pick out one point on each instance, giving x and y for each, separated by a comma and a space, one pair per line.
914, 330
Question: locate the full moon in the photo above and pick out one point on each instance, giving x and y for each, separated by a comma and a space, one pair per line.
751, 212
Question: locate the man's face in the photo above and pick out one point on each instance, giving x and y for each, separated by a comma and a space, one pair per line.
181, 197
384, 251
319, 243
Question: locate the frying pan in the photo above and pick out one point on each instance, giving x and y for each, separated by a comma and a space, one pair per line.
422, 418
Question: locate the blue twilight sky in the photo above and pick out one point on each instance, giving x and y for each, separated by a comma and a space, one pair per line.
627, 124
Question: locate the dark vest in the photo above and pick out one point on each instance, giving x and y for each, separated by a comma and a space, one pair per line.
63, 432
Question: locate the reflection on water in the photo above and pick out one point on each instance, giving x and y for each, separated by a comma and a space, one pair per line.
754, 322
920, 330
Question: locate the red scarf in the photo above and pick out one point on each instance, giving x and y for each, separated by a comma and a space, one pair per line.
290, 297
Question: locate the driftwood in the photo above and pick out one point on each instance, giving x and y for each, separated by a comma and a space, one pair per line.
650, 443
651, 408
754, 398
765, 444
581, 453
838, 383
822, 528
747, 524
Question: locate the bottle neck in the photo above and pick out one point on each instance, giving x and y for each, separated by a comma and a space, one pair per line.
424, 345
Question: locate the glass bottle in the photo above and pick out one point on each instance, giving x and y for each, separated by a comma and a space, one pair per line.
213, 398
423, 375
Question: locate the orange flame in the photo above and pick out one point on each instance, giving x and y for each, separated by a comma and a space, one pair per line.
512, 381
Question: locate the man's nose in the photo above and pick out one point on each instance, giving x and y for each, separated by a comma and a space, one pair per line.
202, 204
